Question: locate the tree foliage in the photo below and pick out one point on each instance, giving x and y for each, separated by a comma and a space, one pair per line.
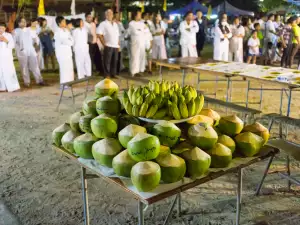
268, 5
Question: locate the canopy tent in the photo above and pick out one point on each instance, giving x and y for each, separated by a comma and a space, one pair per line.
193, 6
231, 10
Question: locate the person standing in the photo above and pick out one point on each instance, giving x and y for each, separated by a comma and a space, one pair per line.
236, 42
148, 40
81, 50
221, 39
92, 39
165, 26
200, 36
34, 30
8, 77
122, 34
63, 50
253, 44
159, 48
188, 29
26, 53
137, 30
46, 36
108, 32
285, 36
295, 40
270, 37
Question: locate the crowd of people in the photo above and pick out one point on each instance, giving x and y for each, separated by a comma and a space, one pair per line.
100, 46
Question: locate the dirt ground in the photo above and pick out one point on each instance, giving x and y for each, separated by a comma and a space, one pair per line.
43, 188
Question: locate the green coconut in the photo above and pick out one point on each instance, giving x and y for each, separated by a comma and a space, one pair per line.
105, 150
212, 114
123, 163
129, 132
168, 133
104, 126
89, 106
201, 119
203, 136
68, 140
197, 161
259, 130
172, 167
85, 123
125, 120
249, 144
83, 145
145, 176
58, 133
221, 156
143, 147
106, 87
227, 141
108, 105
164, 150
74, 121
182, 147
231, 125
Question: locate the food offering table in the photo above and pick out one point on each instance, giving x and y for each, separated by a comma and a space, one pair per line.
163, 191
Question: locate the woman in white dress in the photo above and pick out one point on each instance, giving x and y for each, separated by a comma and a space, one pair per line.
81, 50
8, 77
221, 39
159, 47
34, 31
236, 42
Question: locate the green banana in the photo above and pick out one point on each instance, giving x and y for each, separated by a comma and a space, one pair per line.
157, 100
139, 100
151, 111
188, 96
163, 103
128, 108
199, 102
174, 99
191, 108
157, 89
130, 93
161, 113
145, 91
183, 109
125, 98
193, 91
169, 105
135, 96
176, 86
175, 111
143, 109
135, 110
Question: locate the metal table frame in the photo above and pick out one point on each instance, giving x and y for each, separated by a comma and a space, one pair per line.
143, 203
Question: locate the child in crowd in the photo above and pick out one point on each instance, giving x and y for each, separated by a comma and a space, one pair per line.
253, 44
260, 36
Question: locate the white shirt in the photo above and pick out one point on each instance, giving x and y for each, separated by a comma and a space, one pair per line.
188, 37
63, 40
110, 32
262, 24
253, 43
270, 27
91, 29
24, 41
137, 30
80, 36
121, 31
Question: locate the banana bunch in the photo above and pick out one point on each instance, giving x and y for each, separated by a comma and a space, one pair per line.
162, 100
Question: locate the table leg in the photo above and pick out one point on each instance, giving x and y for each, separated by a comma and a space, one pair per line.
289, 102
216, 86
281, 101
264, 176
179, 205
247, 94
73, 98
60, 98
141, 213
85, 197
198, 82
260, 97
87, 88
160, 73
183, 77
288, 171
228, 89
170, 210
239, 196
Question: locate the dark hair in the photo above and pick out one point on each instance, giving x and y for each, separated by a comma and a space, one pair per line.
2, 24
87, 14
77, 23
59, 19
221, 14
279, 45
245, 21
187, 13
293, 18
144, 14
198, 10
269, 16
34, 20
134, 14
254, 31
256, 25
270, 45
41, 21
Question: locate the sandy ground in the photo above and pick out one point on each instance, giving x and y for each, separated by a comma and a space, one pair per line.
43, 188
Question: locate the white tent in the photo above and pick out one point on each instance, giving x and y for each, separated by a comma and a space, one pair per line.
231, 10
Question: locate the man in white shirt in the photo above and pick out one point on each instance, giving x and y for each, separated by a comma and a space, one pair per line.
90, 26
188, 29
108, 32
26, 53
270, 34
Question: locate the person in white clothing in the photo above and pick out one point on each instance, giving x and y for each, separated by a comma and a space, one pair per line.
188, 30
270, 32
26, 53
8, 77
108, 32
137, 30
34, 30
159, 47
63, 50
148, 40
236, 42
81, 50
92, 39
253, 45
122, 34
221, 39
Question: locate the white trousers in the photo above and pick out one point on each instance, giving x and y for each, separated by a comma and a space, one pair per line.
236, 56
189, 50
66, 69
137, 56
221, 51
30, 63
83, 63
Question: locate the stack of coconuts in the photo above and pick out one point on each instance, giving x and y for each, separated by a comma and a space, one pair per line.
150, 154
